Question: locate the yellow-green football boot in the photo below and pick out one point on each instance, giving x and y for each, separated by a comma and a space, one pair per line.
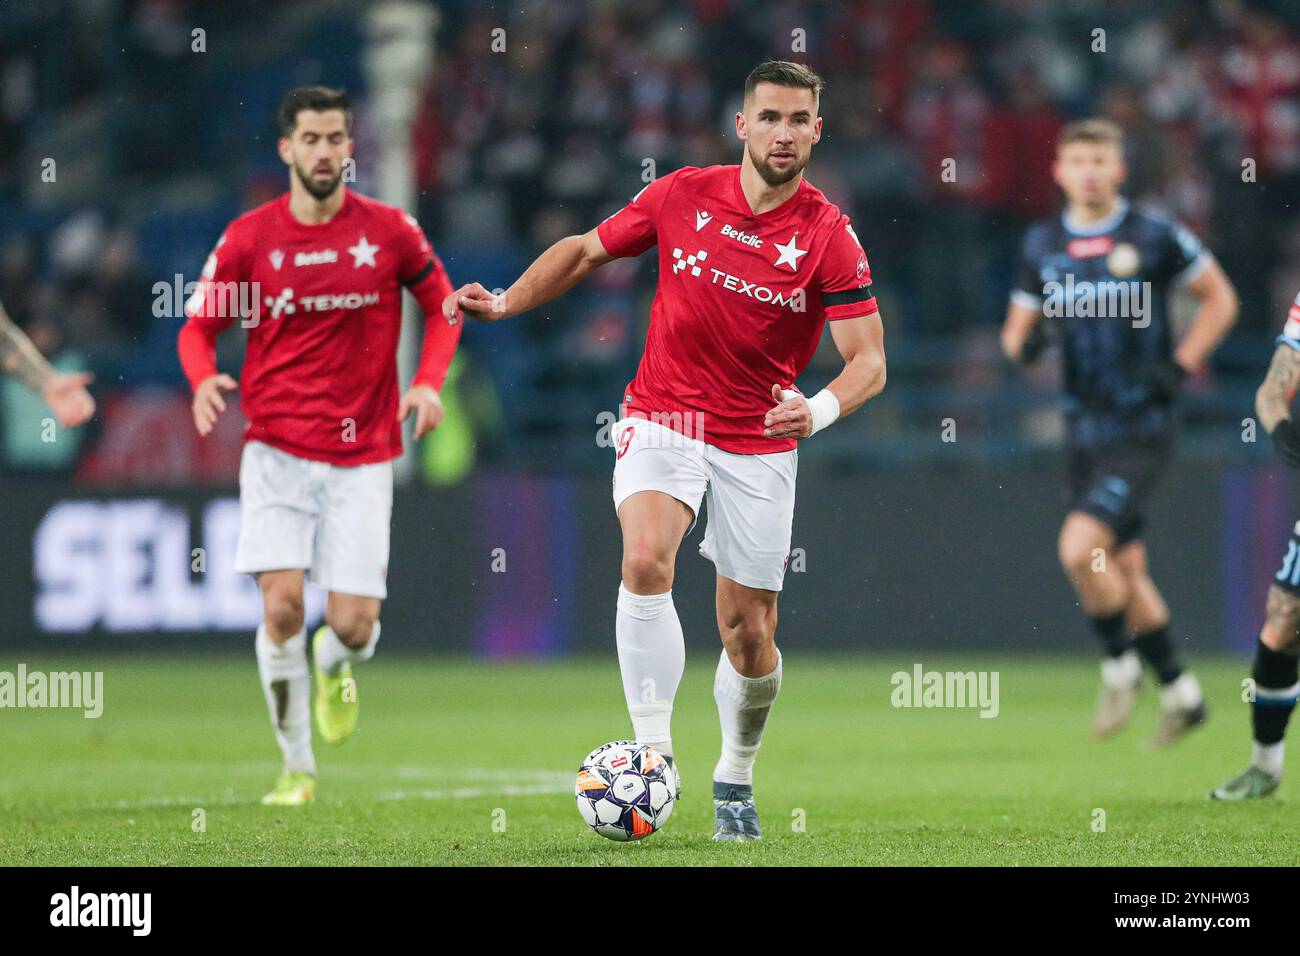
335, 704
294, 789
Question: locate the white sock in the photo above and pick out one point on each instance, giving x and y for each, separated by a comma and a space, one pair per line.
651, 658
1122, 671
1268, 757
743, 706
334, 652
287, 686
1182, 693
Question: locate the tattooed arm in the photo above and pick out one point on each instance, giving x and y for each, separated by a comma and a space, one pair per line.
1273, 403
1273, 400
65, 394
1281, 630
19, 357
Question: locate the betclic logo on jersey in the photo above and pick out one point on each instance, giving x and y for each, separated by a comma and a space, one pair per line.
695, 265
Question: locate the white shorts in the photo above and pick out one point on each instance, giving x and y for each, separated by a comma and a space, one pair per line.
331, 521
750, 497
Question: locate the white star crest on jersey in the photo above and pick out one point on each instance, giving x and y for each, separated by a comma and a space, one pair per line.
789, 253
702, 219
363, 254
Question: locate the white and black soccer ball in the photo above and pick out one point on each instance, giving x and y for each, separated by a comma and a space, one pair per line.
625, 790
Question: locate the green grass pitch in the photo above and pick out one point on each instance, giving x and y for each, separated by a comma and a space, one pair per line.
472, 763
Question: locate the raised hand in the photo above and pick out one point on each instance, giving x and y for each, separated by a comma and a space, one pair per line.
475, 301
67, 397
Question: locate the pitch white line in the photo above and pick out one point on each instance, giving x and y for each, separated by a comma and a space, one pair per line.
466, 793
548, 782
478, 773
353, 769
158, 802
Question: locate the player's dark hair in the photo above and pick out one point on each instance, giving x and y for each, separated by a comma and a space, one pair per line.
316, 98
1091, 131
784, 73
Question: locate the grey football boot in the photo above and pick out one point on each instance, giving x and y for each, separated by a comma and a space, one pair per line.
735, 818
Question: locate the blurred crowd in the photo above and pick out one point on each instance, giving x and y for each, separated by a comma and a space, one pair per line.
158, 146
546, 139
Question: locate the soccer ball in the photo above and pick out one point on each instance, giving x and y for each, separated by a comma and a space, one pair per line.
625, 790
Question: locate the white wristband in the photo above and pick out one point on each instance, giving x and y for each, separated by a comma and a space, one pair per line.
824, 406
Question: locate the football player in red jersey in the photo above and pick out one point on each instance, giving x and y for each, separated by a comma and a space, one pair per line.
316, 277
753, 261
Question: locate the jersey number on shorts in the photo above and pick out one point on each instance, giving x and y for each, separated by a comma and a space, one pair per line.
625, 439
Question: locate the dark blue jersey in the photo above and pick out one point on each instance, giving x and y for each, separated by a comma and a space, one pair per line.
1106, 288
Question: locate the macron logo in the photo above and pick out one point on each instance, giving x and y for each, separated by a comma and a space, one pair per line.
702, 219
133, 910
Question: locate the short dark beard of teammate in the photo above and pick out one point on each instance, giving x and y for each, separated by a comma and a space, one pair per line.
319, 192
770, 175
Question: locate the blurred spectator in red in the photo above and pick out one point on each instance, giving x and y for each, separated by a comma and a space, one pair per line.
1022, 147
1261, 77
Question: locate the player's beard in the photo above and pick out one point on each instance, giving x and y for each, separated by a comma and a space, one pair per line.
317, 189
771, 175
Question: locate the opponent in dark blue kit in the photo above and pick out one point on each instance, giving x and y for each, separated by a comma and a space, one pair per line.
1275, 672
1100, 275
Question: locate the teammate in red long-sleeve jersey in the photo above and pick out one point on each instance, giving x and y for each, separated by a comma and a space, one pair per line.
316, 278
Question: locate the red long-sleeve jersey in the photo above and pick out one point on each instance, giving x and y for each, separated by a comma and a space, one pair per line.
322, 306
742, 300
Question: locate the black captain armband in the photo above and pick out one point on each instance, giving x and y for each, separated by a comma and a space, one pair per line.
847, 297
419, 276
1286, 442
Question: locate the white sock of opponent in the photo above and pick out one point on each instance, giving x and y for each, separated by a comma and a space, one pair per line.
651, 658
283, 669
1268, 757
333, 652
743, 706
